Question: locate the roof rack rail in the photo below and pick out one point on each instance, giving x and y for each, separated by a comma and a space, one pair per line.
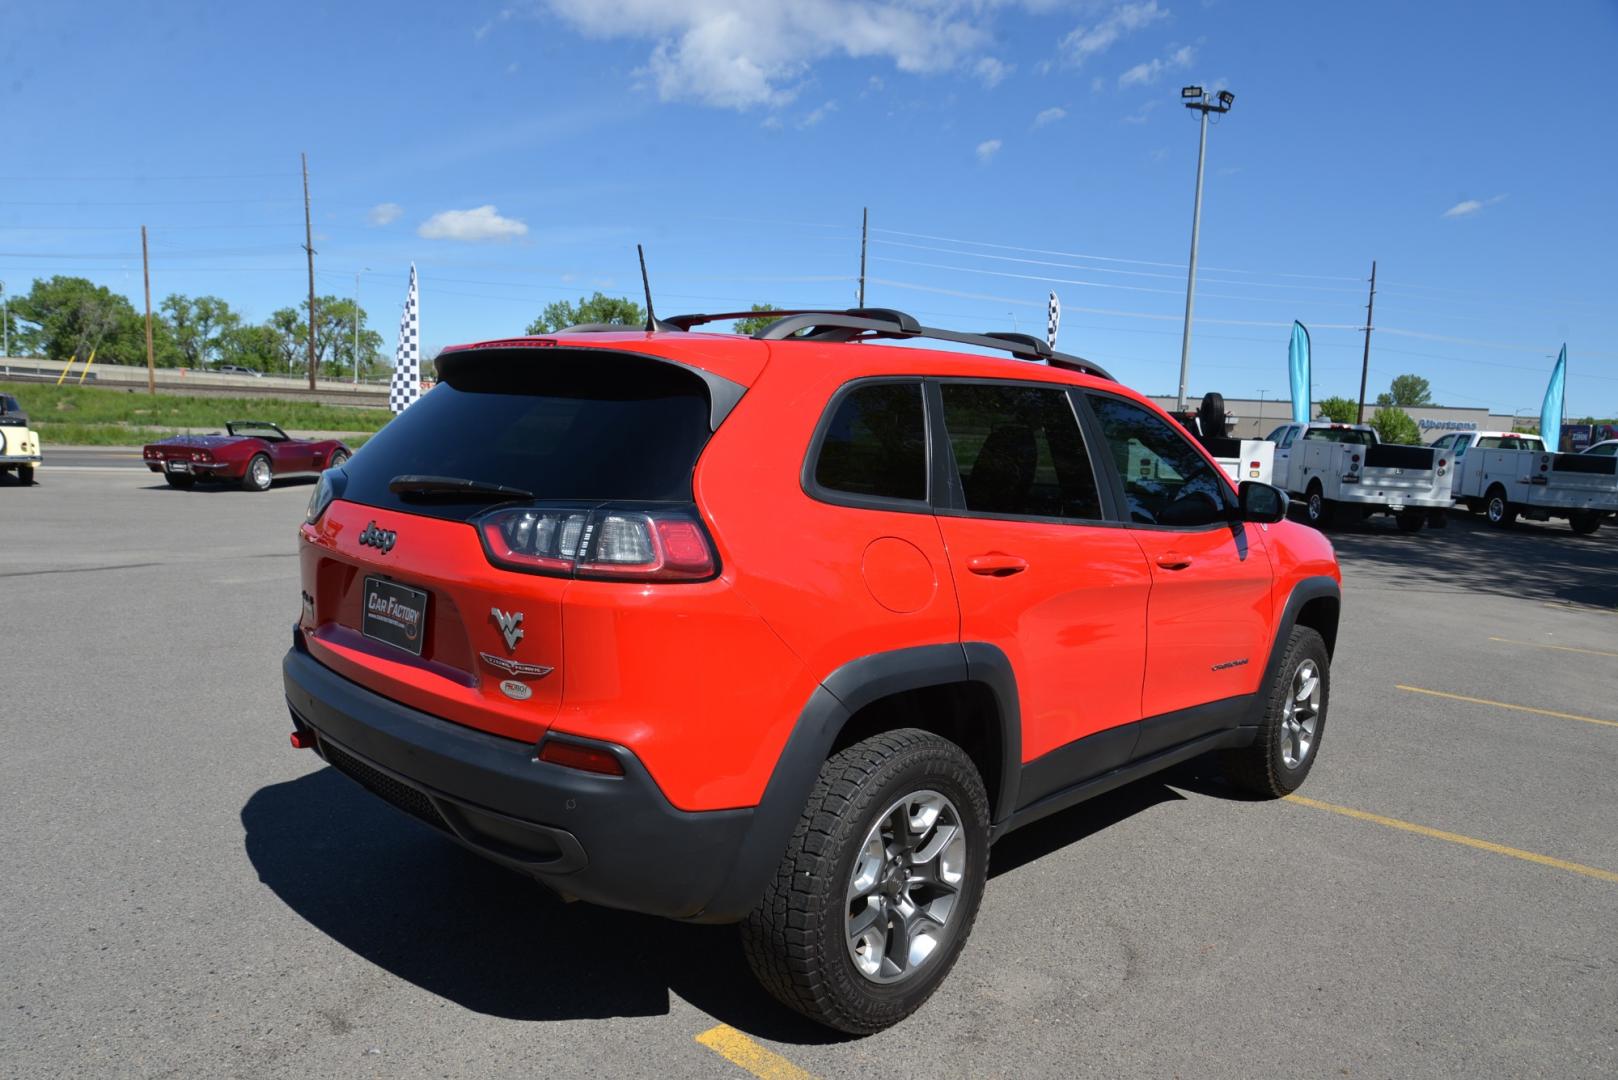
599, 328
856, 324
686, 322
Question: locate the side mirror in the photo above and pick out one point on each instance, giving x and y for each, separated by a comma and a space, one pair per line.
1263, 503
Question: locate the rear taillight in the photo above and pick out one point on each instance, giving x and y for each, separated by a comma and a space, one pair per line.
617, 543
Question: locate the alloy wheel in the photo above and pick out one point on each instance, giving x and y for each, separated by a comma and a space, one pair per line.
905, 885
1300, 716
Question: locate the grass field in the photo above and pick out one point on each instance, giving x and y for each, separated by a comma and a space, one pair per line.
96, 416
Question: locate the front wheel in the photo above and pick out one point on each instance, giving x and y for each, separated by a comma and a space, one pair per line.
1294, 719
338, 459
880, 884
258, 474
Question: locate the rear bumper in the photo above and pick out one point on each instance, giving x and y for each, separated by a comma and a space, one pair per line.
614, 841
202, 469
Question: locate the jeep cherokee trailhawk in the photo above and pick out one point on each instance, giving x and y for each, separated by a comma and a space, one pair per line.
788, 630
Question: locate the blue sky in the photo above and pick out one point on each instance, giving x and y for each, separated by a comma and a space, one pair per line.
517, 152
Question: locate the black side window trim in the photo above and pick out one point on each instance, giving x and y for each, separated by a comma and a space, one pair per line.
1115, 480
950, 492
813, 488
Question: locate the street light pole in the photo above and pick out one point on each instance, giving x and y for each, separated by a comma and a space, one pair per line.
1196, 99
5, 322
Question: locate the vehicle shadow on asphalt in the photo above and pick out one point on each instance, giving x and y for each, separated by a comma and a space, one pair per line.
1538, 561
410, 901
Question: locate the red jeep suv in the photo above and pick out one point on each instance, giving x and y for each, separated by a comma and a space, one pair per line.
788, 630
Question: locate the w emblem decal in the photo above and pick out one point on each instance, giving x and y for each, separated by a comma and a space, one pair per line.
510, 626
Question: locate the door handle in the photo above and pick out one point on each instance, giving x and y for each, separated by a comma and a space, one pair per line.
996, 564
1173, 561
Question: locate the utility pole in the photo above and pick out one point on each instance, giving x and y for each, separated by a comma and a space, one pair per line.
1365, 361
146, 275
1194, 98
5, 322
357, 274
309, 247
865, 227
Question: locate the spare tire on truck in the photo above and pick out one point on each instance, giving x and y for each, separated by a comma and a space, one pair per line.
1211, 416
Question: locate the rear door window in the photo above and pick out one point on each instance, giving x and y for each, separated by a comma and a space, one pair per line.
1019, 452
584, 424
873, 446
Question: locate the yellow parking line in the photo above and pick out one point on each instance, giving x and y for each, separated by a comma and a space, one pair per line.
1558, 648
744, 1053
1514, 708
1457, 838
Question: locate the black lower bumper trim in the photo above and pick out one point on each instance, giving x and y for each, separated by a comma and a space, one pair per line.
611, 840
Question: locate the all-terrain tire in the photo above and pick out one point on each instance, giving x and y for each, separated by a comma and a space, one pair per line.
1278, 760
258, 474
798, 939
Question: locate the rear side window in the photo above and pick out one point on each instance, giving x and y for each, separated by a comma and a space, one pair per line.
1019, 452
563, 426
1166, 481
875, 444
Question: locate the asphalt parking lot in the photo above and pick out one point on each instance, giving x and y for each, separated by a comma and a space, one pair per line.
183, 894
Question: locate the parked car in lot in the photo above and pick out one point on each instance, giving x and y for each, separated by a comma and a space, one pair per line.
1340, 468
786, 631
1505, 475
251, 453
19, 444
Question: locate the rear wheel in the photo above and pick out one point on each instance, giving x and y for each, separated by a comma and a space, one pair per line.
25, 474
258, 474
179, 480
880, 884
1585, 523
1411, 520
1295, 718
1498, 509
1318, 510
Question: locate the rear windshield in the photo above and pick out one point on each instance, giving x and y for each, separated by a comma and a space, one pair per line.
1342, 435
1500, 442
603, 426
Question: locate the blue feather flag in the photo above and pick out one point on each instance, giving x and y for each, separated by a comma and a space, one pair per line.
1550, 413
1298, 363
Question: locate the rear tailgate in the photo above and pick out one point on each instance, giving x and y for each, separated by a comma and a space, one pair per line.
400, 594
1581, 481
1405, 476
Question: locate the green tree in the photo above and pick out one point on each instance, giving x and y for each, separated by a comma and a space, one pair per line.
1339, 410
614, 310
757, 322
1407, 392
256, 347
291, 331
198, 326
1393, 425
72, 317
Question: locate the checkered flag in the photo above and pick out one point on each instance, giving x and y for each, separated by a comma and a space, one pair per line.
406, 384
1053, 320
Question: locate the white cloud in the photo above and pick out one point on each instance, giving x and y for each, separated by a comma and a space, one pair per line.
1472, 206
1146, 73
1142, 114
992, 72
987, 150
818, 114
481, 223
1083, 42
743, 53
384, 213
1049, 116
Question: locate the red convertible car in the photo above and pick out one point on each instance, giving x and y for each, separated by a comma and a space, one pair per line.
251, 453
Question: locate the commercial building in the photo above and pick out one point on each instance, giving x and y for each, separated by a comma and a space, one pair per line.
1254, 418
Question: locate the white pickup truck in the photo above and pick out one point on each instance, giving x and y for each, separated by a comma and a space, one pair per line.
1507, 476
1338, 468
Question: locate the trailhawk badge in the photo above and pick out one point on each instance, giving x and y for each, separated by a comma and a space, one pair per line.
510, 625
516, 667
